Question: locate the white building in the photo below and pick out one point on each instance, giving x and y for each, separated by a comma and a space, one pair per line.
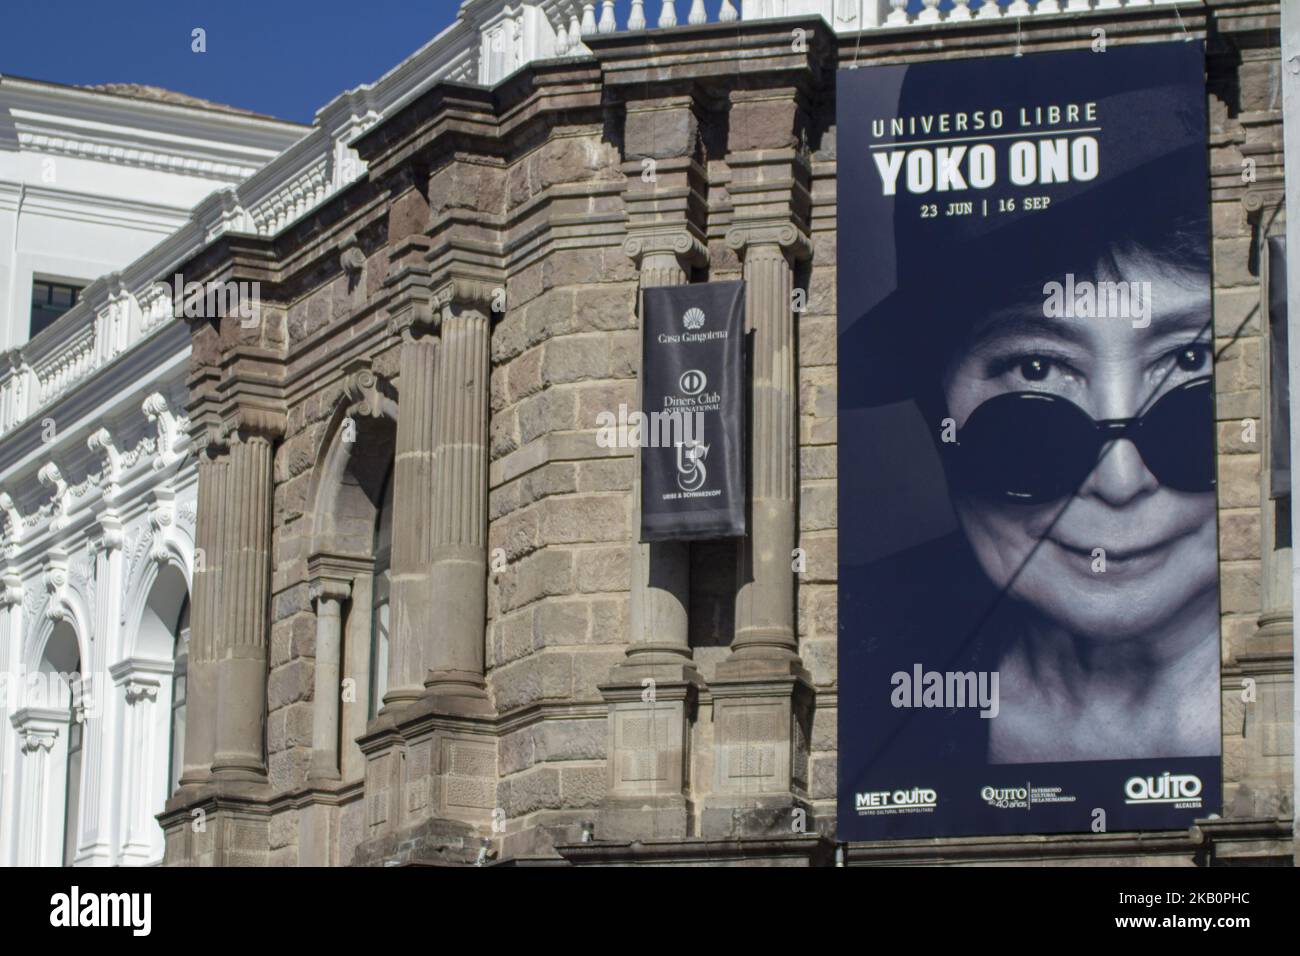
96, 483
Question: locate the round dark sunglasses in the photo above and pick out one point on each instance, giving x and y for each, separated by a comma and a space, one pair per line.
1033, 447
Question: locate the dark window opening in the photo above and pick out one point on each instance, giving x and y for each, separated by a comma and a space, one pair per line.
49, 301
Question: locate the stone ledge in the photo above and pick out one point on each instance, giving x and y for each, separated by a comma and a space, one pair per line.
788, 851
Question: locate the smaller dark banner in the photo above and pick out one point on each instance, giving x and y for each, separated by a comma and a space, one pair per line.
1279, 375
691, 430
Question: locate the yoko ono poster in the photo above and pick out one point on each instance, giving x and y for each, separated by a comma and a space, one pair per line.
1028, 588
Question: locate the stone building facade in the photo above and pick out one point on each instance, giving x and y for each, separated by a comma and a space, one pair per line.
424, 631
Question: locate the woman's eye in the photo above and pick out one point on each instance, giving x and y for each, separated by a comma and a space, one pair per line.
1193, 358
1034, 368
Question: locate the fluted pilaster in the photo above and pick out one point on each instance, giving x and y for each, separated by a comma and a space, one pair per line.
244, 608
201, 678
765, 605
460, 488
329, 596
412, 609
660, 598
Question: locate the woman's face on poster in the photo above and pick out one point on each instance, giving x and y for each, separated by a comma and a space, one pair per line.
1158, 543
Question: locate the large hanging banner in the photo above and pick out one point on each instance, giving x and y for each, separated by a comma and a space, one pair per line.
1028, 568
692, 430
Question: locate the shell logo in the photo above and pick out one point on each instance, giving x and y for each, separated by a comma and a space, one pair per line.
693, 318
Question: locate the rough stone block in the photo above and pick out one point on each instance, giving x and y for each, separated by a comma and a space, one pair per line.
817, 506
558, 622
532, 790
817, 340
583, 786
659, 133
290, 683
582, 518
603, 569
1239, 535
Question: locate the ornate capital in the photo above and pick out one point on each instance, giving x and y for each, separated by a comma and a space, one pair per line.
783, 235
38, 738
138, 689
681, 242
329, 589
409, 282
111, 536
330, 576
366, 393
468, 292
253, 421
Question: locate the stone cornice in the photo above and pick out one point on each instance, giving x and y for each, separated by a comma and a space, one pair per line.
634, 63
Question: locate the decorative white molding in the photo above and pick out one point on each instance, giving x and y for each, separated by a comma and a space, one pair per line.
101, 441
173, 431
62, 500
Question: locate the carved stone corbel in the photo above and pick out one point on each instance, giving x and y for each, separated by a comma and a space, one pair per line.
62, 499
13, 523
173, 431
366, 393
56, 586
102, 441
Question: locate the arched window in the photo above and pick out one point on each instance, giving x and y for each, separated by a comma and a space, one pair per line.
380, 600
180, 669
72, 774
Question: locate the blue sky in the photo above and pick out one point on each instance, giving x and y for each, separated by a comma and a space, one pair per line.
285, 58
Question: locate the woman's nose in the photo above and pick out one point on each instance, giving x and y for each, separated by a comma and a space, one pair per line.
1120, 475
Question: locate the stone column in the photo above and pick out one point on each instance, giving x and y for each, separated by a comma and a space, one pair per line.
11, 610
329, 595
411, 632
145, 718
244, 606
41, 785
765, 605
205, 619
102, 752
661, 590
652, 695
762, 695
460, 487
